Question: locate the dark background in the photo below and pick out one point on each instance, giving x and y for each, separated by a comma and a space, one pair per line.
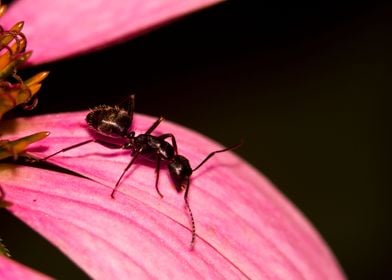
307, 89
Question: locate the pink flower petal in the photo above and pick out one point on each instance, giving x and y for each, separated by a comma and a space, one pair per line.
245, 227
108, 238
56, 29
11, 270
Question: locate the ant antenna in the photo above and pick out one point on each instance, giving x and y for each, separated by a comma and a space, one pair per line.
188, 183
190, 212
216, 152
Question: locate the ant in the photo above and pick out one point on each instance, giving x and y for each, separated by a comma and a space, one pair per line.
115, 122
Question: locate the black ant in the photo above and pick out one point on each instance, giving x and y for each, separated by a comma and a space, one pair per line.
115, 122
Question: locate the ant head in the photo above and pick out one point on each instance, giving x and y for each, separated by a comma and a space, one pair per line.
109, 121
180, 170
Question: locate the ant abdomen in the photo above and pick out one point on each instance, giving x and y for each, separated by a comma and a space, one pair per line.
109, 120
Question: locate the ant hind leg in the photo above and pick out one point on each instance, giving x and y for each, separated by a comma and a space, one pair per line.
69, 148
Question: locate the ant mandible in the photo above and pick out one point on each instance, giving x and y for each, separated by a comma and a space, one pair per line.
116, 122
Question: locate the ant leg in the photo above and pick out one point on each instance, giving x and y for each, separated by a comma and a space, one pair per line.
154, 125
69, 148
131, 106
190, 212
216, 152
157, 169
125, 170
103, 143
173, 140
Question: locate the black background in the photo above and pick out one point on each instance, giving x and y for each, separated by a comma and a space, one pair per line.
307, 89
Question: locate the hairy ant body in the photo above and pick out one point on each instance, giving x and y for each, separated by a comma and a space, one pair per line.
116, 122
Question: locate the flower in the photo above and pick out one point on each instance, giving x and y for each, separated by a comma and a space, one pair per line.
13, 90
245, 227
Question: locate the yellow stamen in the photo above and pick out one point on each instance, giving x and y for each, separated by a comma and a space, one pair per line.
37, 78
34, 88
13, 148
8, 55
13, 33
13, 95
9, 69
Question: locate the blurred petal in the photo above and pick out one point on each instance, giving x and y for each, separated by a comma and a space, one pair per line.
56, 29
11, 270
245, 227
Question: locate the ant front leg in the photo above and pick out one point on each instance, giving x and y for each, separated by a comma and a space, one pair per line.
158, 166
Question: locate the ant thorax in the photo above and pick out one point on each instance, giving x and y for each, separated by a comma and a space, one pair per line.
151, 147
109, 121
